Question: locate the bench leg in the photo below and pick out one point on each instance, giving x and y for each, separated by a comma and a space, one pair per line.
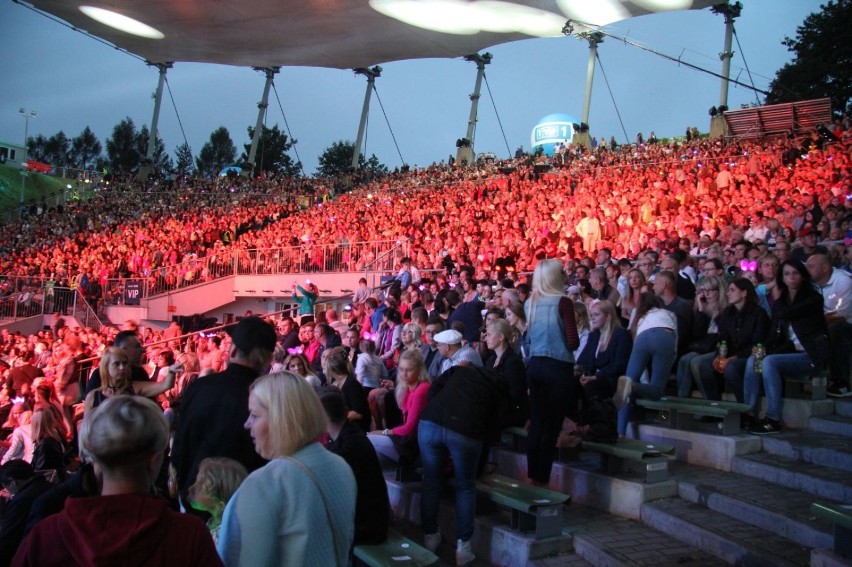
843, 541
656, 469
544, 521
611, 464
818, 386
731, 424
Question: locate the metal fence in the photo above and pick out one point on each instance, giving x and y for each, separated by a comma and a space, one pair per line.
306, 259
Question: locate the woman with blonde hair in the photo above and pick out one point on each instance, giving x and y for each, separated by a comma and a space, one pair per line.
606, 354
553, 337
298, 364
412, 387
499, 336
283, 514
115, 380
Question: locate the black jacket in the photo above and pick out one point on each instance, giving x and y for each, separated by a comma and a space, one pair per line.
468, 400
608, 364
372, 508
512, 368
743, 330
210, 422
805, 315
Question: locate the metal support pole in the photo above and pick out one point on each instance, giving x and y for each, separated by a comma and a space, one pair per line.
371, 75
152, 135
730, 12
261, 110
27, 114
594, 39
481, 61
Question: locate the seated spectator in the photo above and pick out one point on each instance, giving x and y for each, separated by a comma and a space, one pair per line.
24, 486
347, 440
298, 365
21, 444
695, 367
742, 325
341, 375
454, 352
126, 437
606, 353
799, 346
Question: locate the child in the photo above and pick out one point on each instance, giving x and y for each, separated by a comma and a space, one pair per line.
218, 478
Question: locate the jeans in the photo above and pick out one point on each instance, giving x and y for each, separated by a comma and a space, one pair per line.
434, 442
734, 374
657, 347
773, 366
690, 369
551, 384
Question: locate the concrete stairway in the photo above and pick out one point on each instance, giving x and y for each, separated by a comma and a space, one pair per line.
739, 500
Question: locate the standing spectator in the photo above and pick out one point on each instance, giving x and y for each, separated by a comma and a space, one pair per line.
550, 371
283, 514
307, 301
126, 437
213, 409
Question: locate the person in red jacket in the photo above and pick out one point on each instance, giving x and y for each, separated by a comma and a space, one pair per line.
126, 437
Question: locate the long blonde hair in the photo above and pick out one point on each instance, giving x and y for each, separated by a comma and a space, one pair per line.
416, 358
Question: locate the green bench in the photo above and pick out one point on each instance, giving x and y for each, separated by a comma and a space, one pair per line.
682, 412
628, 454
807, 387
841, 517
518, 438
533, 509
396, 550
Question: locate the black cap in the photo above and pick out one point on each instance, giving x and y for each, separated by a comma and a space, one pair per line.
251, 333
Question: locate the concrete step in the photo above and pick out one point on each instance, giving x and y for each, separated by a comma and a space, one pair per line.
832, 484
833, 424
726, 538
493, 540
780, 510
819, 448
606, 541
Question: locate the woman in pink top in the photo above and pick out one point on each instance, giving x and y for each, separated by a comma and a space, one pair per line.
412, 386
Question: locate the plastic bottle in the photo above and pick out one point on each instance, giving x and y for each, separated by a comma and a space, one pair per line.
758, 359
723, 349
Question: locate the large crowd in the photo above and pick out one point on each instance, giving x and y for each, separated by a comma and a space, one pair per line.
548, 294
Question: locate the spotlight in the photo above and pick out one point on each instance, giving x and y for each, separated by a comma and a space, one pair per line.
722, 108
713, 111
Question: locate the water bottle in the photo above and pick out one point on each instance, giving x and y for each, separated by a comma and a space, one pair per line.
723, 349
758, 359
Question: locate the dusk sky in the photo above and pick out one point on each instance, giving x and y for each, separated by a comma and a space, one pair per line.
73, 81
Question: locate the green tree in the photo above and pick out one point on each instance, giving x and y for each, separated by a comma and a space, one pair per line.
822, 61
85, 150
337, 160
217, 153
272, 152
184, 163
36, 148
161, 159
122, 150
56, 149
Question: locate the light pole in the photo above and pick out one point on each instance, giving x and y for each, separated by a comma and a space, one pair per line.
27, 115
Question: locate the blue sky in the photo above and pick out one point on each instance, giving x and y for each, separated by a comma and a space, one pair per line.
73, 81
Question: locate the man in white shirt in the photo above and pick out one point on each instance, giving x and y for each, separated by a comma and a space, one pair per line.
836, 288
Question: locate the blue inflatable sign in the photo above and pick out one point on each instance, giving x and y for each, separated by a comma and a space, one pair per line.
551, 130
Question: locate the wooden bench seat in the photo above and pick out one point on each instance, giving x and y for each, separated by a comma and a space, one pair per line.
683, 410
653, 458
841, 517
533, 509
396, 550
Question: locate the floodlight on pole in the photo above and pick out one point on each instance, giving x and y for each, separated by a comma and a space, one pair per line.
371, 73
27, 114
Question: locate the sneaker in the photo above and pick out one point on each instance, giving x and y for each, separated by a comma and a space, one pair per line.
622, 392
839, 391
464, 554
766, 426
432, 541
